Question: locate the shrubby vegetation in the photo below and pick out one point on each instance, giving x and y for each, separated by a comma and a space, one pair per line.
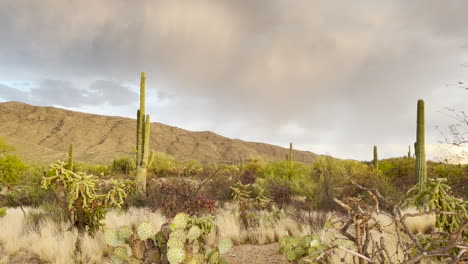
257, 193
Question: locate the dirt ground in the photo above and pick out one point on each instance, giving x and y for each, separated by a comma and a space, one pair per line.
243, 254
255, 254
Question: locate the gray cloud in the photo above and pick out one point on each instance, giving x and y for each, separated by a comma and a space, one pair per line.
313, 71
64, 93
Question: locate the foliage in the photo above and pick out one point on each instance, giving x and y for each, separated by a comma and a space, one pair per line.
179, 195
11, 167
80, 198
279, 192
123, 165
248, 177
3, 211
94, 169
164, 165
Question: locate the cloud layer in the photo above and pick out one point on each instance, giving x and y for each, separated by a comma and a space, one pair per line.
312, 72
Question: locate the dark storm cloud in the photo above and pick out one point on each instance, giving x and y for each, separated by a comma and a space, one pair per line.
318, 70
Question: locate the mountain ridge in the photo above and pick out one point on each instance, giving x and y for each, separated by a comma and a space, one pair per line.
43, 133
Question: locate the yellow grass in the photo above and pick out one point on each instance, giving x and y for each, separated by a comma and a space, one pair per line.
55, 243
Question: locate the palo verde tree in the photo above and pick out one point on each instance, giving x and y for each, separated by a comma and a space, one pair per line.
143, 157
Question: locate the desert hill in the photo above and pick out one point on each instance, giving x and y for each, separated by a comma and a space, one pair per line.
43, 134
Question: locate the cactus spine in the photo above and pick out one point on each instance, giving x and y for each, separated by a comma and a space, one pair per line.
70, 157
376, 159
419, 147
291, 153
143, 158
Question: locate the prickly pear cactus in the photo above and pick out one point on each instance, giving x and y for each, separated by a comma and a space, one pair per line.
111, 237
125, 232
145, 230
187, 241
194, 233
140, 240
301, 250
180, 221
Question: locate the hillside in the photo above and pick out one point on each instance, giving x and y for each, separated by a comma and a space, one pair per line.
43, 134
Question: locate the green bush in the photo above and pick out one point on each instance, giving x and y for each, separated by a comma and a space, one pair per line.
164, 166
95, 169
122, 165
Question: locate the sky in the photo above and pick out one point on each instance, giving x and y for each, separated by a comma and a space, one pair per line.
333, 77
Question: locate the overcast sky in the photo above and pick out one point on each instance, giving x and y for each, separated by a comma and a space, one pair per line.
333, 77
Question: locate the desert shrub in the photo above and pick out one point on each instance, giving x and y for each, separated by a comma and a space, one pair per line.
296, 175
365, 176
328, 174
164, 165
248, 177
122, 165
11, 168
215, 183
191, 168
94, 169
178, 195
279, 192
255, 164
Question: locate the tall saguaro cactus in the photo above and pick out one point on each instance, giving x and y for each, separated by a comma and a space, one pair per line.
420, 148
375, 162
143, 157
70, 157
291, 153
409, 152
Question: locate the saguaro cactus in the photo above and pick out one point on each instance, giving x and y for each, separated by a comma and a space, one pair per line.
375, 162
70, 157
419, 147
409, 152
143, 157
291, 153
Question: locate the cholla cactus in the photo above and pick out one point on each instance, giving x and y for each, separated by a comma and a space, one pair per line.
438, 196
80, 198
242, 194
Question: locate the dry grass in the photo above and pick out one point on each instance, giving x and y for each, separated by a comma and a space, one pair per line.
54, 242
267, 231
